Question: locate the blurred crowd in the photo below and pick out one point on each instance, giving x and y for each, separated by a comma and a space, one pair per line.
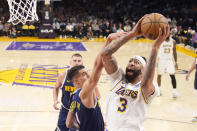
87, 19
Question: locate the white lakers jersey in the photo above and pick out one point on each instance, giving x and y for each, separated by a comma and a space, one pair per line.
196, 59
126, 107
166, 49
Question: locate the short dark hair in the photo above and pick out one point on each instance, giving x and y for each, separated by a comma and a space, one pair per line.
74, 71
77, 55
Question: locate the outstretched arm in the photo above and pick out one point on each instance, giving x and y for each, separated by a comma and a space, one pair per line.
147, 78
191, 69
88, 90
109, 61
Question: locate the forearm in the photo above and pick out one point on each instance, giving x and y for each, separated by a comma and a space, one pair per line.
150, 68
74, 125
98, 66
55, 94
71, 121
115, 45
192, 67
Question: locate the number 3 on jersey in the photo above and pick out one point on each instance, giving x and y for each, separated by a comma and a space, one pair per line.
123, 106
166, 50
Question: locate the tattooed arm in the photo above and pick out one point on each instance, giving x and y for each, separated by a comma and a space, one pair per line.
109, 61
147, 78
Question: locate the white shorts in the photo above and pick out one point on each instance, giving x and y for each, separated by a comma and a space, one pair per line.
165, 66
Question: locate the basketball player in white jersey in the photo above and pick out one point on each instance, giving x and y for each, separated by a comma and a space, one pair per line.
194, 66
132, 91
166, 57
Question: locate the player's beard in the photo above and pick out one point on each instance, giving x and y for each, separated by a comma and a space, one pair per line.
130, 78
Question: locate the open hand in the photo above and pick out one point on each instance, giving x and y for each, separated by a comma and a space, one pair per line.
114, 36
137, 28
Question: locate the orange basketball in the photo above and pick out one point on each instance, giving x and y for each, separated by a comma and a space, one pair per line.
151, 24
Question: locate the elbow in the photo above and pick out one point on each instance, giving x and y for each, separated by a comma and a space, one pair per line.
103, 53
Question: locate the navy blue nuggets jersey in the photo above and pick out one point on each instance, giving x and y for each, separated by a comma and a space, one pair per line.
89, 119
67, 89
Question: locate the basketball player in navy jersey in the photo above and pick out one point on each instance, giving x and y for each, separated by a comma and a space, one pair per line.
85, 113
67, 89
194, 65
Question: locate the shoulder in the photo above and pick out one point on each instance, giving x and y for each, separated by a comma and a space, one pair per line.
63, 74
117, 77
119, 72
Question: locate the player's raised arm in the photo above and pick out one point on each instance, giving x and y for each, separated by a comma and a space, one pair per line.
90, 84
147, 78
109, 61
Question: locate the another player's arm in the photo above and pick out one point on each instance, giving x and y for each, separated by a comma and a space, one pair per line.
88, 89
175, 54
56, 89
191, 69
147, 78
71, 121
